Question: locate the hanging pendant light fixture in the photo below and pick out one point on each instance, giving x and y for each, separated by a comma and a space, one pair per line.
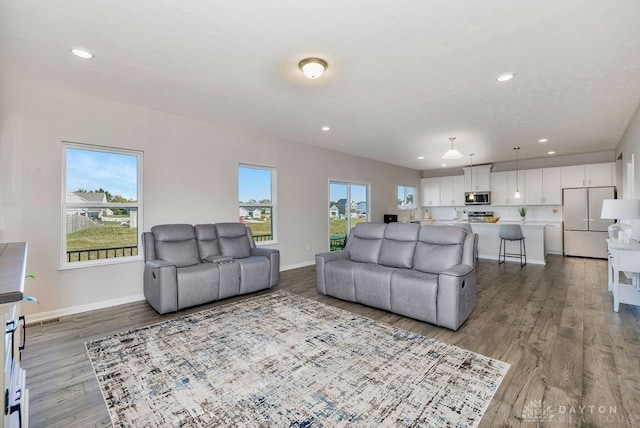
452, 153
472, 195
517, 194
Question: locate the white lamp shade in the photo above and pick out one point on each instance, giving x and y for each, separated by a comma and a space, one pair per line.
452, 154
620, 209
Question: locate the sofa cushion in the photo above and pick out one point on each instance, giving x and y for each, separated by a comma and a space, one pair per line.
364, 242
373, 285
233, 240
399, 244
340, 279
207, 240
438, 248
415, 294
198, 284
176, 244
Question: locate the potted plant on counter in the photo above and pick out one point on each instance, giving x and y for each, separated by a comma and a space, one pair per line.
523, 212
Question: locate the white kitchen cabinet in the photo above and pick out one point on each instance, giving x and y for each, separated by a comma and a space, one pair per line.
553, 238
452, 191
430, 192
542, 186
593, 175
481, 178
503, 188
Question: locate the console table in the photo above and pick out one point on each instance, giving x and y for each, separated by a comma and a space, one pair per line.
15, 396
625, 258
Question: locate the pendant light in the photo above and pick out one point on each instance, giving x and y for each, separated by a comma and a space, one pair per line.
472, 196
517, 194
452, 153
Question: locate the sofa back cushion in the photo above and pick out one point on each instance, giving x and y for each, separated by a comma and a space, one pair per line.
365, 241
176, 244
207, 240
399, 244
438, 248
233, 239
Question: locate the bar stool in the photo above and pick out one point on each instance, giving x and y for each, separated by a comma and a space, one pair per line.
511, 232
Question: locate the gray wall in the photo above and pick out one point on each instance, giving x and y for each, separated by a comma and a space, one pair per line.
190, 176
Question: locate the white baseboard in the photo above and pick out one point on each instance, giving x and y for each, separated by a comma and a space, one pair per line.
298, 265
43, 316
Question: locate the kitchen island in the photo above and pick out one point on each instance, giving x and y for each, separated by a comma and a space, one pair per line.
489, 241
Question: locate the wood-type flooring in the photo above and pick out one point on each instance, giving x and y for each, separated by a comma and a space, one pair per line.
554, 324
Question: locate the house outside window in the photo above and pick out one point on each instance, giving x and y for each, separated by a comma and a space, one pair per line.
257, 201
406, 197
101, 205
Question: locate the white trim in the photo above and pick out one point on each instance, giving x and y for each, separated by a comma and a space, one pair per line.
297, 265
72, 310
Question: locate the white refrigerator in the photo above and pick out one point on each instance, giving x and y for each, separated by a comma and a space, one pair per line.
584, 231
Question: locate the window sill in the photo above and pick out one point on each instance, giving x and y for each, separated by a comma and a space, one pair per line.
102, 262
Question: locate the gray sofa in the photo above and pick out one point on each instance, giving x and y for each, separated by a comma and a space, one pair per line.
188, 265
423, 272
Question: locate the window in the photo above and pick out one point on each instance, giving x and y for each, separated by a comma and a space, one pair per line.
348, 205
257, 201
101, 205
406, 197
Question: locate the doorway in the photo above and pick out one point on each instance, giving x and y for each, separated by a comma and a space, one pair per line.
348, 206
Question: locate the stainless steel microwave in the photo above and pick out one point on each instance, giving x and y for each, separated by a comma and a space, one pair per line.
477, 198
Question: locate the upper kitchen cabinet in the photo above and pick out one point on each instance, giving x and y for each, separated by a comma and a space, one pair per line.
480, 176
594, 175
504, 186
430, 192
542, 186
452, 191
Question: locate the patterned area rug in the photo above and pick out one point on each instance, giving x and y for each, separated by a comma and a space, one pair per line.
283, 360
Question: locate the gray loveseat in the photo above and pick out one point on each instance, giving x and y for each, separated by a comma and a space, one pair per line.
423, 272
188, 265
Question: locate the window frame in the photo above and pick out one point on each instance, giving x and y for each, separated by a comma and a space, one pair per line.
404, 199
64, 264
272, 205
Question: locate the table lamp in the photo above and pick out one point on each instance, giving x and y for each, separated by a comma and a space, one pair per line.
620, 209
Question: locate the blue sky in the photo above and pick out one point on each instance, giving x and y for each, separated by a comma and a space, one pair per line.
91, 170
339, 191
254, 183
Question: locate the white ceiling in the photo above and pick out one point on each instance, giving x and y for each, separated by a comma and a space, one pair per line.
402, 76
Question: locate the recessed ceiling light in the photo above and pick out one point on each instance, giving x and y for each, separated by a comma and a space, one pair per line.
505, 77
326, 128
444, 164
543, 140
551, 153
82, 53
420, 157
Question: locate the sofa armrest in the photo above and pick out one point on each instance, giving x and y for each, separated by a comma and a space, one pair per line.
321, 260
274, 262
161, 286
217, 259
458, 270
456, 295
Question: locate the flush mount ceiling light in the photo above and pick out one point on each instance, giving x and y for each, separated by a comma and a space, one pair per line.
543, 140
82, 53
313, 67
505, 77
326, 128
452, 153
420, 157
551, 153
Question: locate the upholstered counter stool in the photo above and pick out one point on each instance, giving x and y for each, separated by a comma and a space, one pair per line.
512, 232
